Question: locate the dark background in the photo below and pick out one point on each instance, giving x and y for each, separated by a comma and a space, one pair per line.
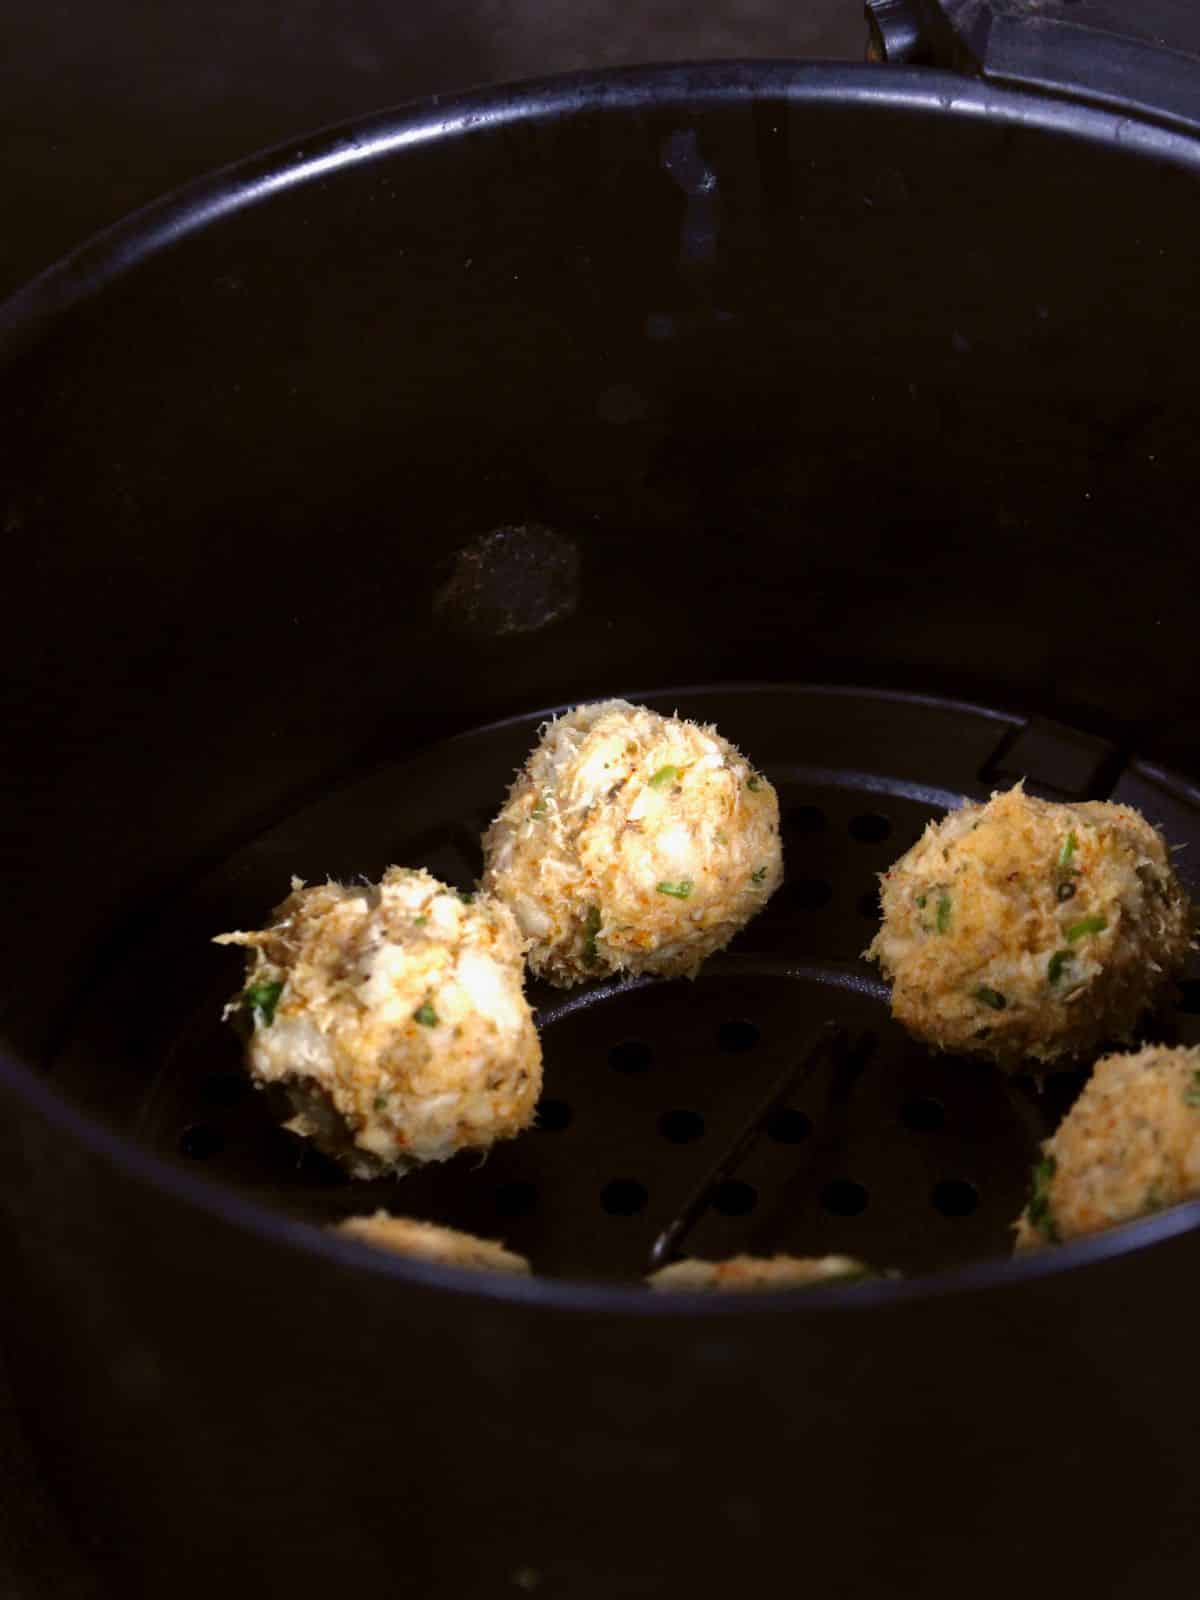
108, 104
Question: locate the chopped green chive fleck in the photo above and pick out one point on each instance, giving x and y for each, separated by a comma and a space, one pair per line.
1057, 963
591, 928
758, 875
421, 920
922, 901
1191, 1095
466, 898
1038, 1211
381, 1101
261, 999
943, 913
1081, 929
679, 891
990, 997
1069, 846
539, 810
426, 1015
755, 783
664, 775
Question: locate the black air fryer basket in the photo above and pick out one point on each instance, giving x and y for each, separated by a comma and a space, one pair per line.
853, 409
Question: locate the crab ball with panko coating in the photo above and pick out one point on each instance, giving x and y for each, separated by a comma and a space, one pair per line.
632, 843
430, 1241
1031, 932
1129, 1145
395, 1018
741, 1273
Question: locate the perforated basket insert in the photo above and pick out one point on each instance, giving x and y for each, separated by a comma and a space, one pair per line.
909, 1160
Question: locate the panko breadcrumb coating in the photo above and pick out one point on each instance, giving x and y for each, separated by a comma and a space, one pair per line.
632, 842
1129, 1145
1028, 931
394, 1016
756, 1272
427, 1241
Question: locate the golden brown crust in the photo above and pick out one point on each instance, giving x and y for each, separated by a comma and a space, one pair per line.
429, 1241
1028, 931
397, 1020
743, 1273
632, 842
1130, 1145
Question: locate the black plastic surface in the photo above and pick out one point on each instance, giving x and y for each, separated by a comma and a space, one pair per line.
1141, 59
1165, 24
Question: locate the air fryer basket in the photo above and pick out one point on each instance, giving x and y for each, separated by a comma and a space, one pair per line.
910, 1160
854, 413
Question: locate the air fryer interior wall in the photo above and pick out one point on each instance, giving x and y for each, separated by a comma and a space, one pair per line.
869, 388
744, 376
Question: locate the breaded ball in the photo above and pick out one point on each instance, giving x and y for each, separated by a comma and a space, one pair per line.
1031, 932
427, 1241
1129, 1145
632, 842
395, 1018
757, 1272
